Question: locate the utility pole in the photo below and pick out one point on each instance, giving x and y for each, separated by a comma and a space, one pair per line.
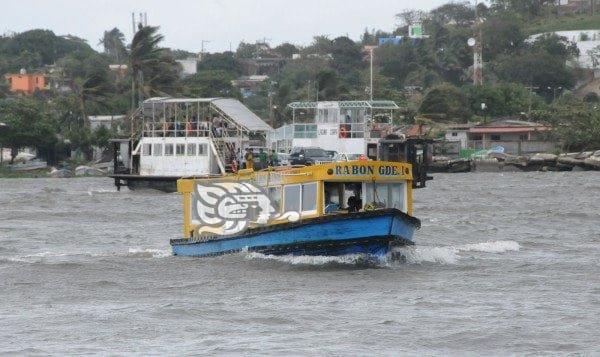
202, 48
131, 69
371, 85
478, 51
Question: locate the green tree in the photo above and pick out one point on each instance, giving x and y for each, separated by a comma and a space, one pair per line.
210, 83
328, 85
536, 69
460, 13
446, 101
286, 50
113, 42
347, 55
93, 89
29, 125
502, 35
321, 45
397, 61
577, 125
220, 61
155, 72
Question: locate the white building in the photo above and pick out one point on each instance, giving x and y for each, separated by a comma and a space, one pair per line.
586, 40
189, 66
458, 133
107, 121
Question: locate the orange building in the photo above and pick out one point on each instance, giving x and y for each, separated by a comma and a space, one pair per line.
25, 82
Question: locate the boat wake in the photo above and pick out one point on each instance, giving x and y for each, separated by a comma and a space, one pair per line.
62, 257
445, 255
450, 254
355, 260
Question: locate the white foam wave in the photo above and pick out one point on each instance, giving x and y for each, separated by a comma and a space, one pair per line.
424, 254
92, 192
149, 252
500, 246
451, 254
62, 256
350, 259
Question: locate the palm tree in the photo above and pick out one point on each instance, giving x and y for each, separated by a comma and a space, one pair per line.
93, 89
154, 71
114, 44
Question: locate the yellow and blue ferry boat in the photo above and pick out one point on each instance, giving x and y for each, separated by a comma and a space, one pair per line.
328, 209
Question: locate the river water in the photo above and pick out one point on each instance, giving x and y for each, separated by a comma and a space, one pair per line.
504, 264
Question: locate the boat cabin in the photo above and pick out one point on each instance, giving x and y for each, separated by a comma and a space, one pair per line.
344, 126
315, 191
176, 137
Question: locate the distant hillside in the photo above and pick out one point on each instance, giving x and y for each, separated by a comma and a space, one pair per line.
35, 48
564, 23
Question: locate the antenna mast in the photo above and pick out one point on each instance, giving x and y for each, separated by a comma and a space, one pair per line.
478, 51
371, 85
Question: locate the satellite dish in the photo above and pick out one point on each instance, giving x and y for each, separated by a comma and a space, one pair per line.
471, 42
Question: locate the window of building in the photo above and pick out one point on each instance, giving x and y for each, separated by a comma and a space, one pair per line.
495, 137
309, 197
191, 149
291, 198
157, 150
168, 149
202, 149
180, 149
147, 149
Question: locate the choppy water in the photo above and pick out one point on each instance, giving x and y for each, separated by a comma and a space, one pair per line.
505, 264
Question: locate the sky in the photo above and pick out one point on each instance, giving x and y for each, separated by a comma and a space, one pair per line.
219, 23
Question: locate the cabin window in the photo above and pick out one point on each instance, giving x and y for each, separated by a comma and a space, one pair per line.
202, 149
147, 149
168, 149
386, 195
495, 137
454, 134
291, 198
396, 196
339, 195
275, 197
191, 149
309, 197
180, 149
326, 116
157, 150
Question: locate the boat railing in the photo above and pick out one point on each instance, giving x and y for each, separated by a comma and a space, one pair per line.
179, 129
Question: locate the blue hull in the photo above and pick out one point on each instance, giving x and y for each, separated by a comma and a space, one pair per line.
365, 232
